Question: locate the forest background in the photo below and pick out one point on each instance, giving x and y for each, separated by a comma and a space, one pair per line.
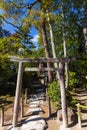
62, 32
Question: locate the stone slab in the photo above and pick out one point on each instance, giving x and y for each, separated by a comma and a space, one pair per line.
35, 102
40, 90
33, 106
35, 110
34, 123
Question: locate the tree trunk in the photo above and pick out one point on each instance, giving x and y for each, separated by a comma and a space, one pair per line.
18, 94
60, 76
64, 46
63, 95
46, 46
67, 75
53, 45
85, 25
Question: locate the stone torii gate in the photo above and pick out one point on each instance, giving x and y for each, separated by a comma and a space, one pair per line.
19, 82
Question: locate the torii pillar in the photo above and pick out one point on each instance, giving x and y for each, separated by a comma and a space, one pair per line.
18, 94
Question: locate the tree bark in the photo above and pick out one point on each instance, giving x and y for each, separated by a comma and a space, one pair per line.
64, 46
63, 95
45, 41
53, 45
60, 76
18, 94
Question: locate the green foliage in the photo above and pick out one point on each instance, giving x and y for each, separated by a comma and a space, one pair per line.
79, 67
12, 44
72, 80
54, 91
5, 69
71, 102
24, 17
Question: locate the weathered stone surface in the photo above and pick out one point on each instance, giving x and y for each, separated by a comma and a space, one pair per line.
33, 106
35, 102
35, 110
71, 115
34, 123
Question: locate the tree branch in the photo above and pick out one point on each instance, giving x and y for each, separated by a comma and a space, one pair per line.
31, 5
10, 23
28, 6
17, 5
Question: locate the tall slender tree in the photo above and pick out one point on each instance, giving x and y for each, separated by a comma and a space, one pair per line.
64, 45
46, 46
53, 45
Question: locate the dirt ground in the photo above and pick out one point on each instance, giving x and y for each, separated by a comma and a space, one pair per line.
52, 122
8, 115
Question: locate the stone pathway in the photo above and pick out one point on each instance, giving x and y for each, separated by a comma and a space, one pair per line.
35, 121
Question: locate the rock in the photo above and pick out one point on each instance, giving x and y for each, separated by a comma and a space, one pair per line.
59, 115
35, 110
34, 123
71, 115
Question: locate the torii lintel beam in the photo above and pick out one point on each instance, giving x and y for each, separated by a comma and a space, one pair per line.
41, 60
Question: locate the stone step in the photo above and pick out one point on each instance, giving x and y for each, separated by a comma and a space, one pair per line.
37, 85
35, 102
34, 123
33, 106
36, 82
40, 90
35, 110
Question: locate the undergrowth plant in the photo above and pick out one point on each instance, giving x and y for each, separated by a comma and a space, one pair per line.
55, 95
72, 80
54, 92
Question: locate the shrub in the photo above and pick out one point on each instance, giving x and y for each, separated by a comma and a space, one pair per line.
72, 80
54, 91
